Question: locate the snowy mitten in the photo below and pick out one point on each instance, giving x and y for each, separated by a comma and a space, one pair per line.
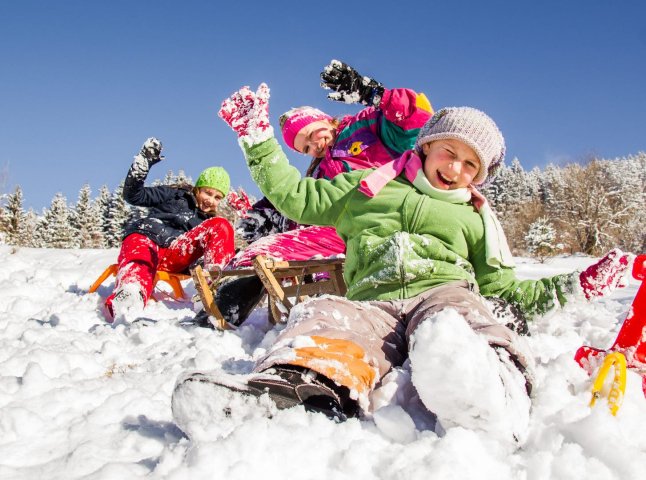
349, 86
240, 203
151, 149
247, 113
260, 222
465, 382
149, 155
607, 274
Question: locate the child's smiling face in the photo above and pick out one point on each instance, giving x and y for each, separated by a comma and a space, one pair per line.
208, 199
314, 139
450, 164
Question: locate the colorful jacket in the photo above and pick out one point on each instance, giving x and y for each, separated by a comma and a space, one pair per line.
401, 242
375, 136
370, 138
171, 210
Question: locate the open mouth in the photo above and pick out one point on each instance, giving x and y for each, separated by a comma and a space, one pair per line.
444, 181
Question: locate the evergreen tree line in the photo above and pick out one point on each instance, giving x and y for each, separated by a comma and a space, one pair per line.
587, 208
90, 223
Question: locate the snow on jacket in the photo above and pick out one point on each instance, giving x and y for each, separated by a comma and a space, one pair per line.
172, 211
401, 242
371, 138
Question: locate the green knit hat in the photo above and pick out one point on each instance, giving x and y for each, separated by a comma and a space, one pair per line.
214, 177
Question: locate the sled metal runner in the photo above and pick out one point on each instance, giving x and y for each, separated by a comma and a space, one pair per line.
285, 281
628, 350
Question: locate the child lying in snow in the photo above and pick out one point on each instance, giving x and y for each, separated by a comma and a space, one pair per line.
419, 257
180, 227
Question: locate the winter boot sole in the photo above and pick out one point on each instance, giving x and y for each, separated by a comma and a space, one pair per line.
215, 403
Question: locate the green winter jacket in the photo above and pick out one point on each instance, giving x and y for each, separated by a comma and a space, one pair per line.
401, 242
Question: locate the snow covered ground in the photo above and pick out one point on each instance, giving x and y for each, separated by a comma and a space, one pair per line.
80, 398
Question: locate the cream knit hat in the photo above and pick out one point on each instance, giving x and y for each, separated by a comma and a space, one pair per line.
471, 126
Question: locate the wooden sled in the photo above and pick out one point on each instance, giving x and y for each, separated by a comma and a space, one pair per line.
285, 282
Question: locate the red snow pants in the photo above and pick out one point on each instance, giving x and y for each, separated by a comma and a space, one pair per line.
140, 257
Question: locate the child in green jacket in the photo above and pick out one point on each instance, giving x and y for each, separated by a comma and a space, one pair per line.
423, 248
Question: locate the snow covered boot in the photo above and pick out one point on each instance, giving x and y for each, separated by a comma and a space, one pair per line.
467, 383
207, 403
125, 303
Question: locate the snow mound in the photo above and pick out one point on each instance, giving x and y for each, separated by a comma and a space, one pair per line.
83, 399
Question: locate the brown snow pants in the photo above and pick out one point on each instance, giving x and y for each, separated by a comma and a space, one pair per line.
355, 343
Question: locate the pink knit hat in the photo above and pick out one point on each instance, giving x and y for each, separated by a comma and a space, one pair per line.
292, 121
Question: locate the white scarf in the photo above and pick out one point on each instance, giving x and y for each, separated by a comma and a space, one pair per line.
496, 246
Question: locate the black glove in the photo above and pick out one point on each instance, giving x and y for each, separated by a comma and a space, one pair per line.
261, 222
151, 150
149, 155
349, 86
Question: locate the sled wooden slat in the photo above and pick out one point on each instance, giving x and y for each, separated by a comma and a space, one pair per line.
283, 280
206, 295
276, 293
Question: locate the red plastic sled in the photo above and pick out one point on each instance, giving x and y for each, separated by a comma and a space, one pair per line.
631, 340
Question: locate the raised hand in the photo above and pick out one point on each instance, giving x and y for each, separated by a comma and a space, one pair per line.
236, 109
349, 86
260, 222
149, 155
240, 203
151, 150
607, 274
247, 113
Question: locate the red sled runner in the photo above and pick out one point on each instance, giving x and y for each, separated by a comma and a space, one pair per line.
629, 349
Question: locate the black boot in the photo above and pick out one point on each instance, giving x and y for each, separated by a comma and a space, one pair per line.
212, 404
286, 385
298, 385
238, 297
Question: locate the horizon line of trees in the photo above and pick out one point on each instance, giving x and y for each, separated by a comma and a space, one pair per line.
89, 223
584, 208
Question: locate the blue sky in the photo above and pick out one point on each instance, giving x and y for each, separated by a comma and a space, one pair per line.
84, 83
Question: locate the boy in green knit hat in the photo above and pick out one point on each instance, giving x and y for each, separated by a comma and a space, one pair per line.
181, 226
423, 250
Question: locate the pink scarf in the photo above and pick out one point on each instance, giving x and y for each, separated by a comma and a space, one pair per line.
408, 162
